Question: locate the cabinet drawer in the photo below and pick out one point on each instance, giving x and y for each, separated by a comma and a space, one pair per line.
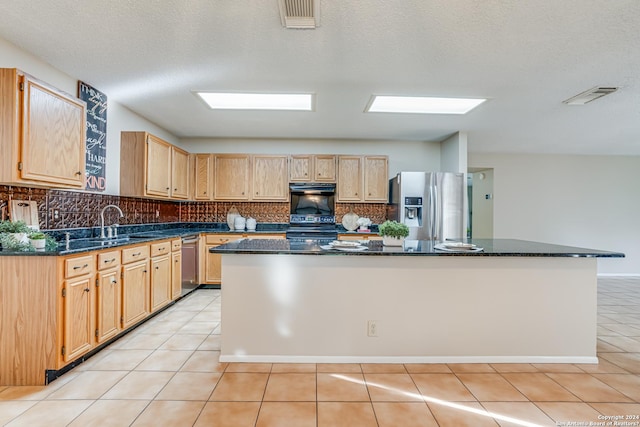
108, 259
176, 244
160, 248
221, 239
135, 253
78, 266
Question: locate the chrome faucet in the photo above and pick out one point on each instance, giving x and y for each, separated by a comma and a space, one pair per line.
102, 236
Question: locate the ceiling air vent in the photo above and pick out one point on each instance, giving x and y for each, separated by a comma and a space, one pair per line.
299, 13
590, 95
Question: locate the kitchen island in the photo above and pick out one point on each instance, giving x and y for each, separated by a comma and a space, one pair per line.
513, 301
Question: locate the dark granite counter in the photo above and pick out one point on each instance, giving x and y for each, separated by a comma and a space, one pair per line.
489, 247
82, 241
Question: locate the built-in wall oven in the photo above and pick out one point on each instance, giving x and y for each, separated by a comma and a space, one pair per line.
312, 211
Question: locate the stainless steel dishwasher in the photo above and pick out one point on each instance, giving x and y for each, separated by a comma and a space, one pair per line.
189, 263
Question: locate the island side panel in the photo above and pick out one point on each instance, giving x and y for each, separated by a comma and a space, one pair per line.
304, 308
28, 319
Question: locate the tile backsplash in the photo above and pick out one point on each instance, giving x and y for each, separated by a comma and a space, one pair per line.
58, 209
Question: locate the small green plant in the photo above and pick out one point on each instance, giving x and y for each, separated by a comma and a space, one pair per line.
14, 227
37, 235
9, 243
393, 229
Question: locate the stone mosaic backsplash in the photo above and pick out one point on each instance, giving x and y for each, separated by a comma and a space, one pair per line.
58, 209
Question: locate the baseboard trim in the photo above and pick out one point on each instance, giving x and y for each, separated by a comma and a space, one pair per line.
407, 359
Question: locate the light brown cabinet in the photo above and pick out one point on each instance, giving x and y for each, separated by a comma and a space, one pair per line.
135, 285
210, 264
42, 133
108, 296
270, 178
78, 306
203, 176
232, 176
362, 179
376, 179
161, 276
312, 168
151, 167
158, 166
349, 179
179, 173
176, 275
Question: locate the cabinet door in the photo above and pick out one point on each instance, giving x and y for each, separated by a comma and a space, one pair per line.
179, 173
300, 168
324, 168
213, 266
231, 176
176, 275
203, 177
108, 304
158, 167
270, 178
160, 282
78, 308
376, 181
349, 179
135, 292
53, 136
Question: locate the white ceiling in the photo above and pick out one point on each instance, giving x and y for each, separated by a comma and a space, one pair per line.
526, 56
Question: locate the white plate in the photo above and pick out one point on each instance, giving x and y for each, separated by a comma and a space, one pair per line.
459, 245
347, 249
344, 244
442, 247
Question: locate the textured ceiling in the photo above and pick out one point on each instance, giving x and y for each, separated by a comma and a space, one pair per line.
526, 56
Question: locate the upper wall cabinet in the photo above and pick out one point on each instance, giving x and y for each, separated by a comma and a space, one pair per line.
270, 178
151, 167
202, 176
312, 168
232, 173
362, 179
179, 173
42, 133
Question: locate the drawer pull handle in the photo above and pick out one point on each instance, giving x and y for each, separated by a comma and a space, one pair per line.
109, 260
77, 267
137, 254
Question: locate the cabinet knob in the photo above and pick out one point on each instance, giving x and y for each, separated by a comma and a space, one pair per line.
86, 289
144, 271
157, 267
168, 188
114, 281
305, 174
78, 173
204, 192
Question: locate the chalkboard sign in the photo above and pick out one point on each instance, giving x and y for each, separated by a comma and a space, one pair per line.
96, 149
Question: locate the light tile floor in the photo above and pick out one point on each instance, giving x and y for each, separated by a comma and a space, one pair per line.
167, 373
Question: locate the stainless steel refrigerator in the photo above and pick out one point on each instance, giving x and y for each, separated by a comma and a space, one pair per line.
430, 203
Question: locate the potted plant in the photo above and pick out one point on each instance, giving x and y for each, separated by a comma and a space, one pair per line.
38, 239
17, 229
393, 233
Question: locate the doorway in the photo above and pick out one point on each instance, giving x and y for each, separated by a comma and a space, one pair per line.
480, 194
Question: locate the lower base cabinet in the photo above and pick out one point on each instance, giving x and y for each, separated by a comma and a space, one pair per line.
211, 266
78, 306
54, 310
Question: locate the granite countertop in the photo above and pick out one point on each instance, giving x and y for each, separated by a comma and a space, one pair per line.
490, 247
82, 240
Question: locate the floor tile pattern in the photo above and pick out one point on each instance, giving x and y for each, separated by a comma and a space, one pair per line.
167, 373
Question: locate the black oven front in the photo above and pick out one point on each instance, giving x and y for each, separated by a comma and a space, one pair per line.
312, 211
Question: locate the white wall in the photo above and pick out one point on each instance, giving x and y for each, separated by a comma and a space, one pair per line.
453, 154
403, 155
482, 206
586, 201
119, 118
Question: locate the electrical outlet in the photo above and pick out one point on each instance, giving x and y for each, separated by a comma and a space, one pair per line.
372, 328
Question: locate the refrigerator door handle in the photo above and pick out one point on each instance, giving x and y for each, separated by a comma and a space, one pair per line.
436, 209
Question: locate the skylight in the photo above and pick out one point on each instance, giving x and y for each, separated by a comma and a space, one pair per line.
422, 105
257, 101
